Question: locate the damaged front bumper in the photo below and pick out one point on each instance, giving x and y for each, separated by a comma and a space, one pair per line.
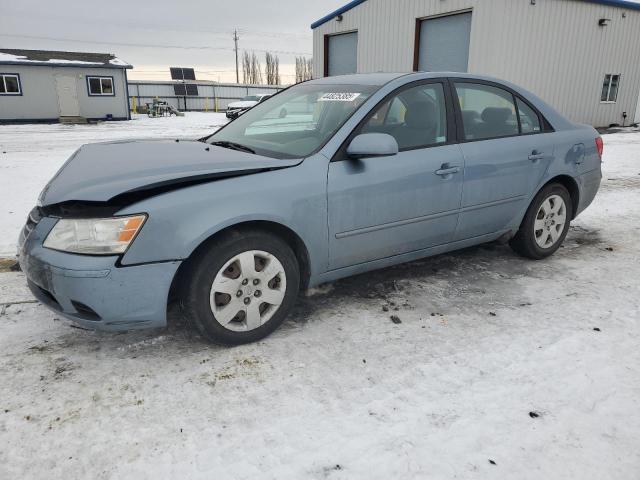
95, 291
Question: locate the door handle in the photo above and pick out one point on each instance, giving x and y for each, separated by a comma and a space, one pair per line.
536, 155
447, 170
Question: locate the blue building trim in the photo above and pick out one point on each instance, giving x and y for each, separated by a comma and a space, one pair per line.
355, 3
618, 3
126, 89
346, 8
19, 121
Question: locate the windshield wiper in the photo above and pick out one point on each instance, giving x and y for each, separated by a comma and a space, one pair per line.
233, 146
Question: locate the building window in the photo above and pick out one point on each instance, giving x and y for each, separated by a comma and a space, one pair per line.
100, 86
610, 88
10, 84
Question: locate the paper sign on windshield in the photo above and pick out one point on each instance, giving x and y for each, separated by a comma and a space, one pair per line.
338, 97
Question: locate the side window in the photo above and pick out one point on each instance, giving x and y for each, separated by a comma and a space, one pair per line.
529, 120
10, 84
610, 88
415, 117
487, 112
100, 86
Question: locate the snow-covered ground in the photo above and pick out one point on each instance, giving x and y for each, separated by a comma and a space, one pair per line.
500, 368
31, 154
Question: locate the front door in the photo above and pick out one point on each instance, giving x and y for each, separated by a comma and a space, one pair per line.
66, 88
386, 206
506, 153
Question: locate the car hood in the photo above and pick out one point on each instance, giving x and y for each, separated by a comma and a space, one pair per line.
100, 172
245, 104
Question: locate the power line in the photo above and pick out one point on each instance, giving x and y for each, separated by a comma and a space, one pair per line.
147, 45
164, 28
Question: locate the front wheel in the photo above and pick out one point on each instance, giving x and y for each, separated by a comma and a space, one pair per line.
545, 224
241, 287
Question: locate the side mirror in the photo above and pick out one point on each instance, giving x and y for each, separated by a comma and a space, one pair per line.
372, 145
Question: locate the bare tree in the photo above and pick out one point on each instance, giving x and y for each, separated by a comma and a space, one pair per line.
298, 70
272, 69
256, 70
308, 73
251, 69
304, 69
246, 67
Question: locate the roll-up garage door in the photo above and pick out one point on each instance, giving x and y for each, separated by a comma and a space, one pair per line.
342, 54
444, 43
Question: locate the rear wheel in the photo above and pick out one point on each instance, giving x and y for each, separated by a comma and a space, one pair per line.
545, 224
241, 288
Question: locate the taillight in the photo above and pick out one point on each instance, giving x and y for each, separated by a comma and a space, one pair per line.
599, 146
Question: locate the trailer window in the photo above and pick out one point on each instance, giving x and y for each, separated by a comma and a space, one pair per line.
100, 86
10, 84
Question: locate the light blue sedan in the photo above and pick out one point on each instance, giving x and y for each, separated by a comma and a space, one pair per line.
326, 179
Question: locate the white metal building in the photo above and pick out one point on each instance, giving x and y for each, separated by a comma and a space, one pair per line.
50, 86
581, 56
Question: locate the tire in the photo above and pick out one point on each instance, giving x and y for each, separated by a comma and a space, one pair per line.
541, 232
223, 267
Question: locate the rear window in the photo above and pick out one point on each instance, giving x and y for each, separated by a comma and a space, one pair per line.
529, 120
487, 111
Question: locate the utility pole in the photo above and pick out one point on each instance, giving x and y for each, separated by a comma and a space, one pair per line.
235, 41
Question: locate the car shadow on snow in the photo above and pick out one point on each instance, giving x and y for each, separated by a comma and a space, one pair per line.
459, 281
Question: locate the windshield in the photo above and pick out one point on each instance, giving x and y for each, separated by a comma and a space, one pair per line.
297, 121
250, 98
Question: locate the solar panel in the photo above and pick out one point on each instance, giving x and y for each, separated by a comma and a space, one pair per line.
179, 90
179, 73
192, 89
188, 74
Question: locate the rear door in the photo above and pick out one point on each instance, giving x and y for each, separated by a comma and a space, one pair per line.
386, 206
506, 150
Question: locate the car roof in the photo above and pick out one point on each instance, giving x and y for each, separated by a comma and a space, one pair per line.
381, 79
375, 79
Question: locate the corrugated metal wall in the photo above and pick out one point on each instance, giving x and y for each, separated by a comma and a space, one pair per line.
209, 94
554, 48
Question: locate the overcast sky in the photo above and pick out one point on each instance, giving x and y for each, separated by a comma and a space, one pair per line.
146, 33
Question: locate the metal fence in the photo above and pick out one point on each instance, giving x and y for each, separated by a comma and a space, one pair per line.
211, 96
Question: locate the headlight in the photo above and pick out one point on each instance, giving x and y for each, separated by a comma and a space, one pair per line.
94, 236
